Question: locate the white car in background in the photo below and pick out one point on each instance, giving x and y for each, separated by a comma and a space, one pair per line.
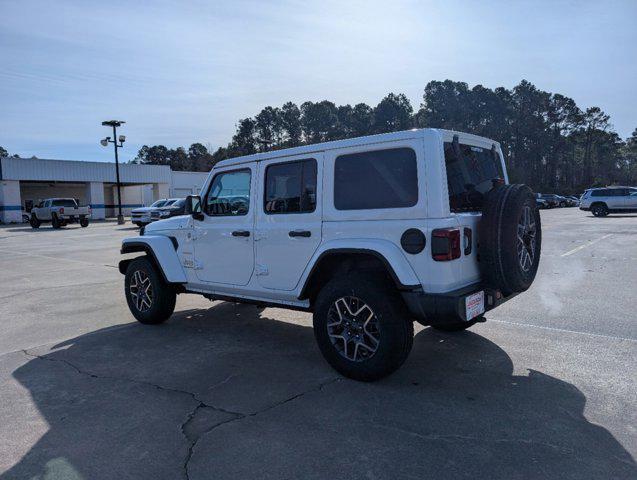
143, 215
60, 212
602, 201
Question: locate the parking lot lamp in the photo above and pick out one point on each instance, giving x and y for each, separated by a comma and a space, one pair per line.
105, 142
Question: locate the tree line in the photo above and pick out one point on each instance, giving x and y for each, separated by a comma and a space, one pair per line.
5, 153
549, 142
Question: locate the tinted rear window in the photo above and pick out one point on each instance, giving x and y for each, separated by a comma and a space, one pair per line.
469, 175
64, 203
377, 179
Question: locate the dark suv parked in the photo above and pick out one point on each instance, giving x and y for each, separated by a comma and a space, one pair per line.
172, 210
551, 199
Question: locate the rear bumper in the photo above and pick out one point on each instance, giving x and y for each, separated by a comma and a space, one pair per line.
586, 209
64, 216
450, 307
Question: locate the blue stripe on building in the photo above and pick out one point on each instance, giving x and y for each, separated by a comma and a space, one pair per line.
8, 208
124, 205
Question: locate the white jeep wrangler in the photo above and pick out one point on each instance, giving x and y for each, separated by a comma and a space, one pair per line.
369, 234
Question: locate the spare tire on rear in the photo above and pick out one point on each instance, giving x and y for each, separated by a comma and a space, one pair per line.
510, 238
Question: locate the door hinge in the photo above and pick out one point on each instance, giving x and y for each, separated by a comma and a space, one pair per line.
260, 270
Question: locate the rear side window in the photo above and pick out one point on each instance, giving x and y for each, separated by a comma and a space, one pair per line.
290, 187
470, 172
610, 192
377, 179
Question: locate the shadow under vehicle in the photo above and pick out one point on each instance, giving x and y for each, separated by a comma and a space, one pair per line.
250, 397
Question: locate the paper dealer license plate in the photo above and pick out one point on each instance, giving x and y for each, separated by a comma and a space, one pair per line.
474, 305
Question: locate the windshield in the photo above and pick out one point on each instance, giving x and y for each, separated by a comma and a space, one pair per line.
159, 203
470, 172
179, 202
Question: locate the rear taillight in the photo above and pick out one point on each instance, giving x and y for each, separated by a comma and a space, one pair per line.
61, 209
445, 244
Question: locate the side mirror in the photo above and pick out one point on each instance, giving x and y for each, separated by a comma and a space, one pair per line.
193, 207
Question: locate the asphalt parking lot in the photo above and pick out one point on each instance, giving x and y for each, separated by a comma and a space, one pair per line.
546, 388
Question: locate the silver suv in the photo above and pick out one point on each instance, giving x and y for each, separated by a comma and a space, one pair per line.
602, 201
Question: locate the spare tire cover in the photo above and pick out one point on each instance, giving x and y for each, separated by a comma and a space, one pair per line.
510, 238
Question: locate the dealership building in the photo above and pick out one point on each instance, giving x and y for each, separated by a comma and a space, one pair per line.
26, 181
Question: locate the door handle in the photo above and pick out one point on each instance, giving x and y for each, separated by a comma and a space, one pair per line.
240, 233
300, 233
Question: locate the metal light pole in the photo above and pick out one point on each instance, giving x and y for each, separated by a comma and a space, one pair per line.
105, 142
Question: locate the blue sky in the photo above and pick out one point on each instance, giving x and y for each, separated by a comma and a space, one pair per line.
185, 71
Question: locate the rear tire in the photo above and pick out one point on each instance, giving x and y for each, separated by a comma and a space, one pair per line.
599, 210
149, 298
35, 223
55, 221
362, 327
83, 222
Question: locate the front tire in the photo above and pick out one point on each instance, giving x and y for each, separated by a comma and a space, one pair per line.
149, 298
362, 328
35, 223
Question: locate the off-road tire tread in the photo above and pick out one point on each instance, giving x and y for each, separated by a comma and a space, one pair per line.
497, 246
397, 329
165, 296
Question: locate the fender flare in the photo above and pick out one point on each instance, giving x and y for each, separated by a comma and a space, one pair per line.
387, 252
163, 251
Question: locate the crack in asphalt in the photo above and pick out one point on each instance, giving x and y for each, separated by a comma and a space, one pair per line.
192, 442
241, 417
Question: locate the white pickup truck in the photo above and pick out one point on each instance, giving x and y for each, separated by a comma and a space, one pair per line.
60, 212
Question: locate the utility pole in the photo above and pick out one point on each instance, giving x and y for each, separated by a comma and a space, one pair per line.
105, 142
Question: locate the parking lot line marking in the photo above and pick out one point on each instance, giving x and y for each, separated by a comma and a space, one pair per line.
72, 260
587, 244
564, 330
